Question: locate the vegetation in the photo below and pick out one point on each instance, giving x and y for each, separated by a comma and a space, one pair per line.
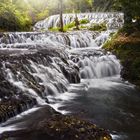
98, 27
72, 26
11, 19
126, 47
84, 21
65, 27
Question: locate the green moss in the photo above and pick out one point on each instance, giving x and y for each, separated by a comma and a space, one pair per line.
98, 27
66, 27
70, 25
84, 21
83, 27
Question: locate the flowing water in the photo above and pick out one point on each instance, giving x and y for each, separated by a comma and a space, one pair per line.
71, 73
111, 19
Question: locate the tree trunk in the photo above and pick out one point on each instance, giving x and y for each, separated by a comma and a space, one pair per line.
61, 17
77, 22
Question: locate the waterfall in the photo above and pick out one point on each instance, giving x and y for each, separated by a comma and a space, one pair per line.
36, 65
113, 20
39, 40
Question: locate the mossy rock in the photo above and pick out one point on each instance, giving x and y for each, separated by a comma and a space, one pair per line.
127, 48
98, 27
60, 127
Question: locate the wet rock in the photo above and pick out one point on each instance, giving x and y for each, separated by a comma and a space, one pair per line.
59, 127
19, 78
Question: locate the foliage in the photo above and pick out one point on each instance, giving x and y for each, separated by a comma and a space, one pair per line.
128, 51
11, 19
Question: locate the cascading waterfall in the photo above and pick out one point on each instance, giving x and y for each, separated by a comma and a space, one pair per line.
44, 64
97, 65
113, 20
40, 40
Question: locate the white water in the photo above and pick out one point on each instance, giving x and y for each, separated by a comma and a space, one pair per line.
113, 20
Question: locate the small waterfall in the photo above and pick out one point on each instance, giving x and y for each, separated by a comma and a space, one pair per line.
98, 66
39, 40
95, 64
37, 65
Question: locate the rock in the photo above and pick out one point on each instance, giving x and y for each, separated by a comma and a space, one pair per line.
55, 126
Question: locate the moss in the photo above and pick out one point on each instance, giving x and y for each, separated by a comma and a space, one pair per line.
98, 27
127, 48
54, 29
70, 25
66, 28
84, 21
